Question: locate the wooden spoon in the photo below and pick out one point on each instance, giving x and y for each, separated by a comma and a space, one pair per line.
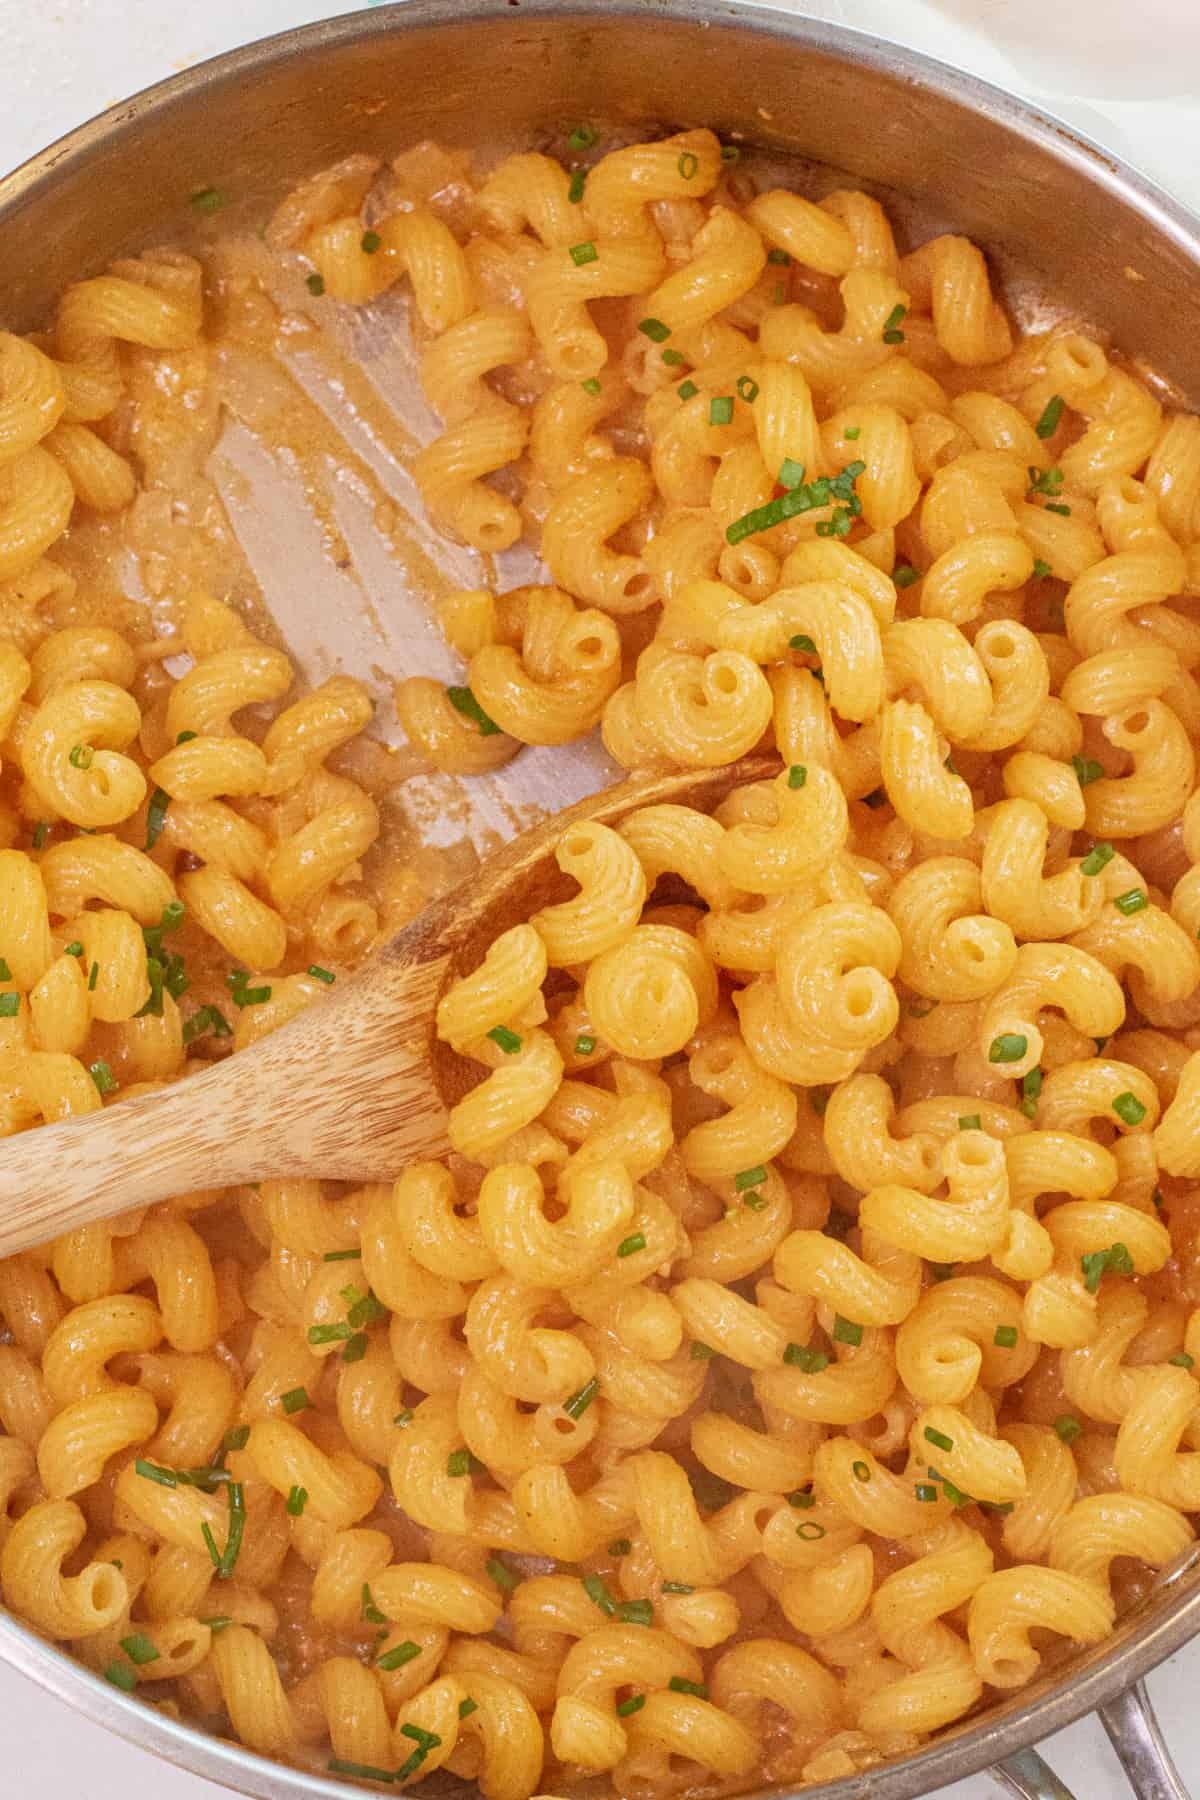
353, 1089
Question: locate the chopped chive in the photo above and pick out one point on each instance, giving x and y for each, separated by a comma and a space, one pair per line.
903, 575
356, 1348
401, 1654
506, 1040
687, 390
1045, 481
1116, 1258
779, 256
464, 701
370, 242
584, 1044
674, 359
320, 974
250, 996
578, 183
634, 1704
799, 1356
590, 386
801, 499
636, 1612
93, 977
1068, 1427
655, 330
1129, 1108
235, 1496
597, 1592
121, 1676
801, 1499
702, 1352
139, 1649
687, 164
1097, 858
852, 433
106, 1081
720, 410
467, 1707
329, 1334
1006, 1337
208, 1018
501, 1574
730, 153
891, 325
632, 1244
810, 1531
74, 948
578, 1404
845, 1331
366, 1311
970, 1122
219, 1622
803, 642
342, 1255
461, 1462
861, 1470
1134, 901
10, 1006
954, 1494
582, 137
797, 775
338, 1765
81, 756
1086, 771
367, 1607
938, 1439
1064, 510
297, 1500
791, 473
620, 1547
581, 254
404, 1418
1182, 1360
1041, 568
755, 1201
677, 1587
678, 1685
747, 389
925, 1490
235, 1439
748, 1178
1047, 425
156, 816
295, 1400
209, 200
1009, 1047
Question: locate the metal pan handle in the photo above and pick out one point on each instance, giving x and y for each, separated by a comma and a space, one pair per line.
1135, 1735
1028, 1776
1137, 1739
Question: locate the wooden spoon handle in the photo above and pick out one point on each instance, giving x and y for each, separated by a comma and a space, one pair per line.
345, 1091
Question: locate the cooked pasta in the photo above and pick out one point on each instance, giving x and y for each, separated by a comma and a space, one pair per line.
804, 1327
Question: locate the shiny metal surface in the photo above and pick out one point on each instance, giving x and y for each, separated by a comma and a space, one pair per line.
1057, 214
1030, 1777
1135, 1736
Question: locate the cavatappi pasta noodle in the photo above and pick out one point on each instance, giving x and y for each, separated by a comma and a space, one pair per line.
798, 1348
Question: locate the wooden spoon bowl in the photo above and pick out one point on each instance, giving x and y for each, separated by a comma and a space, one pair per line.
354, 1089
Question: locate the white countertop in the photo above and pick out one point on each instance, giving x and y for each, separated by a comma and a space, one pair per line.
1119, 72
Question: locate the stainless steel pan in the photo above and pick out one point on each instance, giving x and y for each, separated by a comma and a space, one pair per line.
1059, 217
